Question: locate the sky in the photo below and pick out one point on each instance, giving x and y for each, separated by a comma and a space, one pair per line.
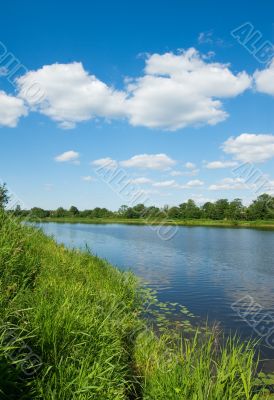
174, 96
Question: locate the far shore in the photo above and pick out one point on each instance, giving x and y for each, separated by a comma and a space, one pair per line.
258, 224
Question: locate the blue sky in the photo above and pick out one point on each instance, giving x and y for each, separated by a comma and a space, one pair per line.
158, 90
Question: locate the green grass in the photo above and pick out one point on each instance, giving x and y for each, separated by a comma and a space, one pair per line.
71, 328
259, 224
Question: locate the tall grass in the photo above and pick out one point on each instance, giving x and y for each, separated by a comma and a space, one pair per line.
80, 319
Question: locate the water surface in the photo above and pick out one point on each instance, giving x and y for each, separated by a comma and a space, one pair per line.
206, 269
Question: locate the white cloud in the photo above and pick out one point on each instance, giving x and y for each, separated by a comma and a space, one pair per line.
264, 79
70, 94
179, 90
68, 156
191, 172
165, 184
231, 184
174, 184
193, 183
106, 162
176, 173
221, 164
190, 165
88, 178
149, 161
201, 199
11, 109
250, 147
141, 180
205, 37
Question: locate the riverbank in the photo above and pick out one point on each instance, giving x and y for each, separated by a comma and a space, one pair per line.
72, 327
258, 224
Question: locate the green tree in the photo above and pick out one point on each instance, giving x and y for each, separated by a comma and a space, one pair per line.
235, 210
4, 196
174, 213
74, 211
190, 210
60, 212
262, 207
208, 210
38, 212
221, 207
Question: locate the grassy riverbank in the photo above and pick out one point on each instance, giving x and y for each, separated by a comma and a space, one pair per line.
71, 328
263, 224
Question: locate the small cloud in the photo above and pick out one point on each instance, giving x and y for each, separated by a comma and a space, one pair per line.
221, 164
209, 38
205, 37
250, 147
88, 178
149, 161
68, 156
176, 173
190, 165
141, 180
106, 162
231, 184
169, 184
193, 183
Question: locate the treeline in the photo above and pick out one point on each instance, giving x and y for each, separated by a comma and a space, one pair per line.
260, 209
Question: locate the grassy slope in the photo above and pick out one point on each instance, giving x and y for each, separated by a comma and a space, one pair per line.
81, 317
265, 224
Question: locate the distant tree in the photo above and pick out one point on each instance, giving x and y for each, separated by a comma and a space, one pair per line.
139, 211
122, 210
18, 210
235, 210
221, 208
60, 212
190, 210
208, 210
37, 212
74, 211
262, 207
4, 196
174, 213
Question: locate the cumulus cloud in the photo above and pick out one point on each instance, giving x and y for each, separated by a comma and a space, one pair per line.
179, 90
221, 164
68, 156
87, 178
231, 184
106, 162
141, 180
176, 173
11, 109
175, 91
264, 79
70, 94
165, 184
193, 183
190, 165
249, 147
174, 184
149, 161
